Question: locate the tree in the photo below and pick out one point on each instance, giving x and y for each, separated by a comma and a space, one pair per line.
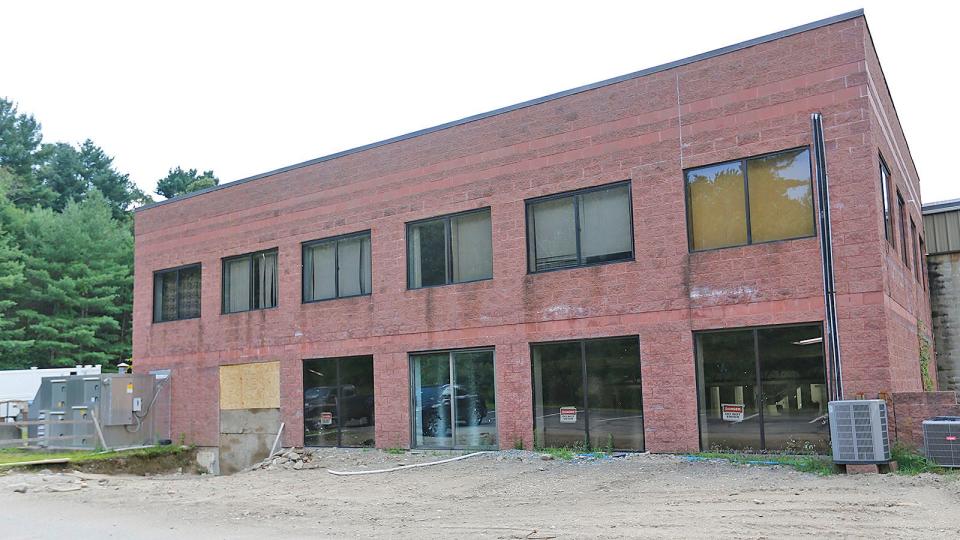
74, 306
21, 152
179, 182
71, 174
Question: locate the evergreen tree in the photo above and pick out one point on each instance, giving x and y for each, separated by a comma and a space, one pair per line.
179, 182
20, 154
74, 305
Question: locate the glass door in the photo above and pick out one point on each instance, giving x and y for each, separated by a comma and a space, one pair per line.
588, 394
338, 404
729, 412
454, 399
762, 389
793, 377
560, 410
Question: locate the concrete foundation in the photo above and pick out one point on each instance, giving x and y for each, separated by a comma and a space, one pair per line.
245, 437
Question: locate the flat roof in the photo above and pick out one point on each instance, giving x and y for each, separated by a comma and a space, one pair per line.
662, 67
941, 206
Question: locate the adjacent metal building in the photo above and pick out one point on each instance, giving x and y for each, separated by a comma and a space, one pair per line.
942, 223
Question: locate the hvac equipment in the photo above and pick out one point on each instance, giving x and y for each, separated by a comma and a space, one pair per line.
74, 408
941, 440
858, 431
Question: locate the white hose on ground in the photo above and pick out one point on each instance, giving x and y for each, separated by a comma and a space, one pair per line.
355, 473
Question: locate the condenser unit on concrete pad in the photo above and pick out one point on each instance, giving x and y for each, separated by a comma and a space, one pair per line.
858, 431
941, 440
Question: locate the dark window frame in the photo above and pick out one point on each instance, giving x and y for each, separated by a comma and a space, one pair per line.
223, 280
412, 398
823, 335
576, 194
448, 246
915, 237
887, 202
923, 256
584, 370
304, 246
338, 360
902, 218
746, 200
177, 269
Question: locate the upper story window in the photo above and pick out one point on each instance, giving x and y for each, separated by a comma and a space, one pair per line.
917, 266
580, 228
450, 249
902, 214
749, 201
885, 191
250, 281
336, 267
923, 258
176, 293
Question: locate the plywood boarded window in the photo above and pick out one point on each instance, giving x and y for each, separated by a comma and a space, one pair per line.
250, 386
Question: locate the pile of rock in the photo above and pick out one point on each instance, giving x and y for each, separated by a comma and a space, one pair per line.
292, 458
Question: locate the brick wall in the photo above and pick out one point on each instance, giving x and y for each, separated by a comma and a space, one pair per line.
910, 409
647, 129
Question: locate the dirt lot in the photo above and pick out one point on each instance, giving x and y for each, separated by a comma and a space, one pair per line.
496, 495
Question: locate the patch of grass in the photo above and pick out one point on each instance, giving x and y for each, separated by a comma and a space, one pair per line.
911, 463
819, 465
395, 451
9, 456
565, 454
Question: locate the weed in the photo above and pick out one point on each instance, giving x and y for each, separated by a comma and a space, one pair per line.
19, 455
910, 462
820, 465
565, 454
518, 444
395, 451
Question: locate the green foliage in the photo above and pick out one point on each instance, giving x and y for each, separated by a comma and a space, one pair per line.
924, 340
12, 456
66, 250
74, 306
395, 451
179, 182
565, 454
52, 175
820, 465
910, 462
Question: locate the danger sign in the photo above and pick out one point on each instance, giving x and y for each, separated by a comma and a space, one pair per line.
732, 413
326, 418
568, 415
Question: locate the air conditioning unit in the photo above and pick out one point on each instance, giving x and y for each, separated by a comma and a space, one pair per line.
941, 440
858, 431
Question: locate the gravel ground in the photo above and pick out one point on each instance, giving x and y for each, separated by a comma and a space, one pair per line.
510, 494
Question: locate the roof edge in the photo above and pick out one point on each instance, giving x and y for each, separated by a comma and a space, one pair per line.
941, 206
529, 103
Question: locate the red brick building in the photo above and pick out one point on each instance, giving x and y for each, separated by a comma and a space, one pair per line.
703, 221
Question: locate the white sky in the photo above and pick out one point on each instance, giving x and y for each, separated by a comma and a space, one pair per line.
243, 88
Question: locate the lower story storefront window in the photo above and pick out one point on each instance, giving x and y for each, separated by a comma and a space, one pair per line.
587, 394
338, 401
454, 399
763, 389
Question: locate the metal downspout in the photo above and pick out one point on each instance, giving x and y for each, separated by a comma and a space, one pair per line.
826, 252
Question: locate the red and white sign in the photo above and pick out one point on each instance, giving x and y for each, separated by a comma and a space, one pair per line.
568, 415
326, 418
732, 412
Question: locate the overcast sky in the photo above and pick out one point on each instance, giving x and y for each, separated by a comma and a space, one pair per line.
243, 88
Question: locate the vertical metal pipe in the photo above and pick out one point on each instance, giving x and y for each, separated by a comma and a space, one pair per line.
826, 252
